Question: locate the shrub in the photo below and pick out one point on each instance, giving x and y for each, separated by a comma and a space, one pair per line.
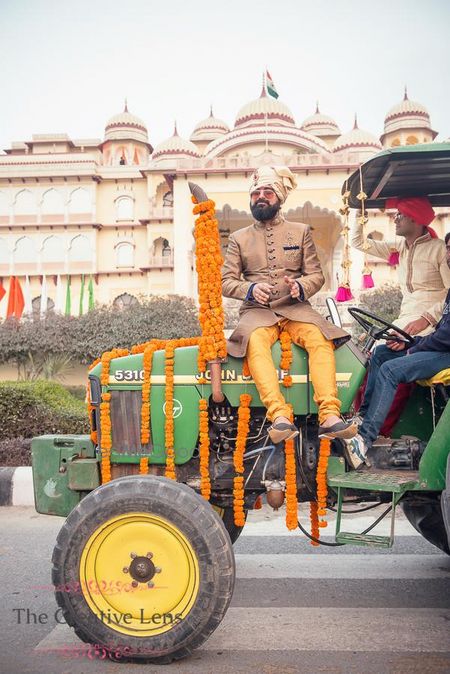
28, 409
15, 452
384, 301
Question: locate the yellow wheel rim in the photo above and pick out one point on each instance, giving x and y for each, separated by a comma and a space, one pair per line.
139, 574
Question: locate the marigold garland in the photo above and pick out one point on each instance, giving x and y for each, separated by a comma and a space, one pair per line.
147, 362
238, 458
291, 482
245, 368
314, 521
143, 465
286, 357
321, 479
205, 481
105, 413
169, 425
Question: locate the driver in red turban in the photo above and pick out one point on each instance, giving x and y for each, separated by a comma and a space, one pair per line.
418, 209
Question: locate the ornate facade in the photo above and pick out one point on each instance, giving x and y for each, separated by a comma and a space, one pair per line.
119, 209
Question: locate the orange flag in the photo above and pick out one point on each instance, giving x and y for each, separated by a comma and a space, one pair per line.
16, 301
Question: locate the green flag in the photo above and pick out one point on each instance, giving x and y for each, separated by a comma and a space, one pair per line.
271, 89
91, 294
80, 313
68, 309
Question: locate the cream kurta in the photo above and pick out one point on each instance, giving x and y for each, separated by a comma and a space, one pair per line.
423, 275
265, 253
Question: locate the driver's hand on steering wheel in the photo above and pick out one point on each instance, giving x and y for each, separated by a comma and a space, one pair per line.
395, 346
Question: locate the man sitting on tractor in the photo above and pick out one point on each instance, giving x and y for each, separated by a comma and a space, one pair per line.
392, 364
273, 266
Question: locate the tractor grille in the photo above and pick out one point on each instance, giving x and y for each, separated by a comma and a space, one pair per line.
126, 422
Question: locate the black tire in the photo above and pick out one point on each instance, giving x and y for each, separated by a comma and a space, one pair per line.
117, 506
425, 515
227, 517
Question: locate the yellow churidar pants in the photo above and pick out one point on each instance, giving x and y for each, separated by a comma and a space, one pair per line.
322, 367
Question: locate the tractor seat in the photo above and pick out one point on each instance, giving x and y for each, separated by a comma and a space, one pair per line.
442, 377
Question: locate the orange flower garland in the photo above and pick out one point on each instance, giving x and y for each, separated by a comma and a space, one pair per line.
314, 521
205, 481
321, 479
286, 357
169, 426
147, 362
105, 414
245, 368
209, 262
238, 458
291, 482
143, 465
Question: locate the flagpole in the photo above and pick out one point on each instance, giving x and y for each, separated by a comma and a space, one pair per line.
265, 114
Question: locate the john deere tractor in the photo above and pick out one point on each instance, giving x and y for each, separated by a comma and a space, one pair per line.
143, 566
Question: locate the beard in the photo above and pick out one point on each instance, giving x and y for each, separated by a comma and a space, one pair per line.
263, 211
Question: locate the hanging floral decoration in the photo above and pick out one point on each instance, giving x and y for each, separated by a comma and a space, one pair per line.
367, 280
286, 357
238, 458
321, 479
105, 413
169, 425
291, 482
344, 293
245, 368
205, 481
209, 263
147, 362
314, 517
143, 465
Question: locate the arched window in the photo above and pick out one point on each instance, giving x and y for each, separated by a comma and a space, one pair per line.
25, 251
124, 208
52, 249
125, 300
79, 201
25, 203
80, 249
4, 205
52, 203
412, 140
168, 199
166, 249
36, 305
124, 254
395, 142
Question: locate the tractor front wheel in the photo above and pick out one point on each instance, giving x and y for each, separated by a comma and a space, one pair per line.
143, 569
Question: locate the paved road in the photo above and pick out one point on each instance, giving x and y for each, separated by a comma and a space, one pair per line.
295, 608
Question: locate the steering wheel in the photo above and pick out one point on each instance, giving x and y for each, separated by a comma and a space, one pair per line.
378, 328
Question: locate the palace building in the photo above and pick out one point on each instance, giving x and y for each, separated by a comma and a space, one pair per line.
118, 209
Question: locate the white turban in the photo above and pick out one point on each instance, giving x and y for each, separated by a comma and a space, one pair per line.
279, 178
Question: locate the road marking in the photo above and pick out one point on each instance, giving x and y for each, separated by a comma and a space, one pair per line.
343, 566
313, 629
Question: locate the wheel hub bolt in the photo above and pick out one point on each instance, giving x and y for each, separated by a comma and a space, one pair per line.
149, 555
134, 583
125, 569
133, 555
150, 584
157, 569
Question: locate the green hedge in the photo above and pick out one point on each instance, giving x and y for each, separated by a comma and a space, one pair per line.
28, 409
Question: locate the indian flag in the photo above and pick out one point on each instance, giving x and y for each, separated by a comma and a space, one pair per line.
271, 89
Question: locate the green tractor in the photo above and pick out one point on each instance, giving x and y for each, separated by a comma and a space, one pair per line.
143, 566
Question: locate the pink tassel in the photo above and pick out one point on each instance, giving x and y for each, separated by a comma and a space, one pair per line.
344, 294
367, 281
394, 259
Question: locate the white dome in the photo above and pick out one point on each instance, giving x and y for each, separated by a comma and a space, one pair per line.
126, 126
255, 112
357, 139
209, 129
406, 115
320, 125
175, 146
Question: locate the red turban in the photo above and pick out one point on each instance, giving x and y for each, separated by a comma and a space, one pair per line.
417, 208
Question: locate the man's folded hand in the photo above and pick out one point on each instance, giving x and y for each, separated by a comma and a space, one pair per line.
261, 292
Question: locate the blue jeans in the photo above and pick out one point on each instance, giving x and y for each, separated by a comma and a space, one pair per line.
380, 355
388, 373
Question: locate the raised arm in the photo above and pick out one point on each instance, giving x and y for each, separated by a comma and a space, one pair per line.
381, 249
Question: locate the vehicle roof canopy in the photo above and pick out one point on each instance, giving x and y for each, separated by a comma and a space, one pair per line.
410, 171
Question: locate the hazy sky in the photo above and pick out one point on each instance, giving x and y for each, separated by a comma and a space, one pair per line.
67, 65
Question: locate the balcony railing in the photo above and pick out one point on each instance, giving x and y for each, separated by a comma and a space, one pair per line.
161, 213
160, 261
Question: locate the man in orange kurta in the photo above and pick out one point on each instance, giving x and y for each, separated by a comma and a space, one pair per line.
273, 267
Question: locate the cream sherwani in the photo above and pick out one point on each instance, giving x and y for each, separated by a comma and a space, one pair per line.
423, 274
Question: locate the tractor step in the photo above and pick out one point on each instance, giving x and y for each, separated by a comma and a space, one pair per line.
393, 481
349, 538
